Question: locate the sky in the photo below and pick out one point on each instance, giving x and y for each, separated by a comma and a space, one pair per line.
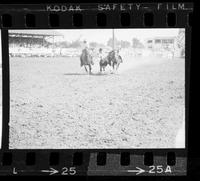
102, 35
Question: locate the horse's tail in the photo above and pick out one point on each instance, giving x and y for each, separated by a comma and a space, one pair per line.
81, 59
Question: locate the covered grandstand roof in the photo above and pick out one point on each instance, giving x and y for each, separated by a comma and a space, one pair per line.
36, 32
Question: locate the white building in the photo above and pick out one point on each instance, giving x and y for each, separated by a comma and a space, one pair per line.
165, 46
160, 43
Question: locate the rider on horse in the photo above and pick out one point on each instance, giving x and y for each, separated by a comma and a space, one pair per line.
86, 58
100, 54
85, 50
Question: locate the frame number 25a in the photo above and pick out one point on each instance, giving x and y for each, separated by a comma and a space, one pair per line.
159, 169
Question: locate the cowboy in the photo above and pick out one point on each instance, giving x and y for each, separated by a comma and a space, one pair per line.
85, 46
100, 54
85, 49
86, 54
118, 55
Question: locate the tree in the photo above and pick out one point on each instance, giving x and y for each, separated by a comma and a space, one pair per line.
110, 42
181, 41
75, 44
181, 38
93, 44
125, 44
136, 43
63, 44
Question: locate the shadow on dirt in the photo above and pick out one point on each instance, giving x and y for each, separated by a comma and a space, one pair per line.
92, 74
74, 74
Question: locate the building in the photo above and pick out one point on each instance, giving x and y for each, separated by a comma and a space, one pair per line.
173, 46
32, 42
161, 43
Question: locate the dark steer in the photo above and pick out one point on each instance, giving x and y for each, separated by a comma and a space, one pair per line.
103, 63
111, 59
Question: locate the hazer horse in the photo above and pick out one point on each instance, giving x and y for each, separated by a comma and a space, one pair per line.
116, 60
86, 60
111, 59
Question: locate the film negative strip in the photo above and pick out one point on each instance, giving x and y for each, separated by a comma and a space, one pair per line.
95, 89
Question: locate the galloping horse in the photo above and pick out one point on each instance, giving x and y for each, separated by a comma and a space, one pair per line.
112, 59
86, 60
116, 60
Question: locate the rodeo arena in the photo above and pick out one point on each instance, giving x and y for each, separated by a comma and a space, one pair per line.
82, 94
40, 43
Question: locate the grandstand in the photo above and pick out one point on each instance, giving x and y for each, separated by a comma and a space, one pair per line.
25, 43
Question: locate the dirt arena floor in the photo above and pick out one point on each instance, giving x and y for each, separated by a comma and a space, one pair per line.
54, 104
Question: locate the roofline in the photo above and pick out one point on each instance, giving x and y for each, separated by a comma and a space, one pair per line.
161, 37
12, 33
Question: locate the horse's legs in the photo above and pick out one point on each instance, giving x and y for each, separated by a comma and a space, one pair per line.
90, 69
100, 68
113, 66
117, 66
85, 68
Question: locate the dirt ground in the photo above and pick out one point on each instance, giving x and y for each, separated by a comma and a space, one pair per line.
55, 104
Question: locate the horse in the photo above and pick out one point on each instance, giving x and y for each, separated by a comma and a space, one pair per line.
116, 60
103, 63
111, 59
86, 60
